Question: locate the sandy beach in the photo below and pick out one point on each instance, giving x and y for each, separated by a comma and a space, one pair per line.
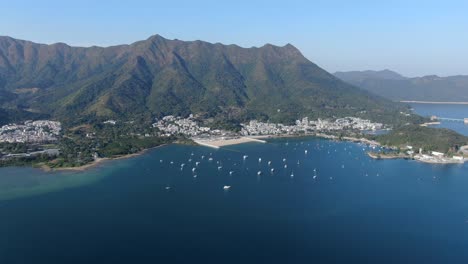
217, 143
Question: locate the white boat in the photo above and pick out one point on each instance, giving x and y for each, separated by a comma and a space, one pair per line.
193, 169
160, 161
196, 163
272, 170
226, 187
285, 166
220, 167
245, 157
305, 151
259, 173
231, 172
284, 160
269, 162
259, 159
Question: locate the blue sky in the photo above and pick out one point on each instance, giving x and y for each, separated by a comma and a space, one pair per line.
412, 37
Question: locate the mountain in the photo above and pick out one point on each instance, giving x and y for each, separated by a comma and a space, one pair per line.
158, 77
396, 87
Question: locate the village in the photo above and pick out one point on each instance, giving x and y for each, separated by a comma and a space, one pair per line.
31, 132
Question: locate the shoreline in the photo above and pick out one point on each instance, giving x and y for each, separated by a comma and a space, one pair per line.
98, 161
433, 102
219, 142
443, 161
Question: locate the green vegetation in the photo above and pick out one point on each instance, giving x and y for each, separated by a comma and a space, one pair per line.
158, 77
427, 138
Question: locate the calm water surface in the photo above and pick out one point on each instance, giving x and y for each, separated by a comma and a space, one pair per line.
339, 207
447, 111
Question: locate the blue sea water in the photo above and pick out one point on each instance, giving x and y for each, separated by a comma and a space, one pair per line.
340, 206
447, 111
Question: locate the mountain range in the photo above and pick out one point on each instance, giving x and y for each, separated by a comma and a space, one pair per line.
396, 87
158, 76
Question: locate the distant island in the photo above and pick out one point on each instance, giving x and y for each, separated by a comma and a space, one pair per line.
396, 87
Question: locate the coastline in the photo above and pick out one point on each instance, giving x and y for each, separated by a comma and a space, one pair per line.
433, 102
219, 142
429, 124
98, 161
432, 160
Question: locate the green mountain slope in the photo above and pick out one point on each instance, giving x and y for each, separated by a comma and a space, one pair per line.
158, 76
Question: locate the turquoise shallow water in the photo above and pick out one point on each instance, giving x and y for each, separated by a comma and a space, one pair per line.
356, 210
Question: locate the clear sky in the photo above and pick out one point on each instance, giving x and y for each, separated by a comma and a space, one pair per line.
412, 37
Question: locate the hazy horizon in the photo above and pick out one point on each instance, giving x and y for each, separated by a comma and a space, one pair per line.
414, 39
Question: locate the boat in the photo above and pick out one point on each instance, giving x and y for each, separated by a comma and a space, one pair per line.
226, 187
269, 162
285, 166
245, 157
259, 159
231, 172
305, 151
259, 173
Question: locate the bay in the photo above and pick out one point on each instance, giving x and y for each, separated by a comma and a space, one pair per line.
355, 210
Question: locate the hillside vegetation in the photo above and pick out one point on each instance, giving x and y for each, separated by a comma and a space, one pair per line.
157, 77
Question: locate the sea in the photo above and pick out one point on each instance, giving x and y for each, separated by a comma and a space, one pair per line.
290, 200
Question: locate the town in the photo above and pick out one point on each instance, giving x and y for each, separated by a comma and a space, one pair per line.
171, 125
39, 131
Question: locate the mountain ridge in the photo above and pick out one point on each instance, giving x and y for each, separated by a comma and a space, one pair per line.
425, 88
158, 76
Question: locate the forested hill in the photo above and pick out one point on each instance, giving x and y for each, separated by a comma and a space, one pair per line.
397, 87
158, 76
